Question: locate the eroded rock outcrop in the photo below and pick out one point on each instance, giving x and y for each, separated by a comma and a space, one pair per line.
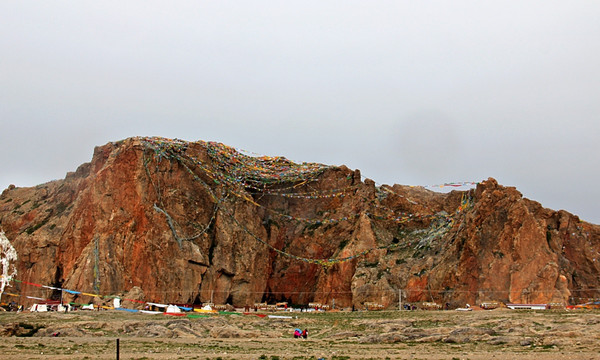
190, 223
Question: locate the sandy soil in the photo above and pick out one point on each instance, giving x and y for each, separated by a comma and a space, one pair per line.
500, 334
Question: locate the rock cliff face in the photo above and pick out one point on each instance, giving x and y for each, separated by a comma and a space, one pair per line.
197, 222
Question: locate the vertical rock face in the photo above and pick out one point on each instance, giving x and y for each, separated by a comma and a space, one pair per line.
196, 222
511, 249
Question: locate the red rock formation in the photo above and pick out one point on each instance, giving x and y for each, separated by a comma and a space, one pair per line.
183, 223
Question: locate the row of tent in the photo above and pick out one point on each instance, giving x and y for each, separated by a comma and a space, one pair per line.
165, 309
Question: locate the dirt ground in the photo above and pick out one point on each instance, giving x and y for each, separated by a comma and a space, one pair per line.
496, 334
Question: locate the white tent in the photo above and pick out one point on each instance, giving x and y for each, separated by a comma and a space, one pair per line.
64, 308
173, 309
39, 308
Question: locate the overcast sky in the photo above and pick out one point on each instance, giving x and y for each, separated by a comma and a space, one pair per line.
409, 92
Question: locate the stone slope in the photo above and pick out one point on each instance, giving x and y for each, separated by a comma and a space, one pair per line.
197, 222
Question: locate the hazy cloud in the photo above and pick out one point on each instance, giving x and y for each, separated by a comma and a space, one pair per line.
408, 92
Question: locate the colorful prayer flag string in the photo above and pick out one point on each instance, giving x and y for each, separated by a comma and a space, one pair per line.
237, 173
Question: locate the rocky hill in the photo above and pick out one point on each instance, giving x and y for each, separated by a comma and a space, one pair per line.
192, 222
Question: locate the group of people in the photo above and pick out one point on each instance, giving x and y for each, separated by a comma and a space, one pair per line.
13, 306
300, 334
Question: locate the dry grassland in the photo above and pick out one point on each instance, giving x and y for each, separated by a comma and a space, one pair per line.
450, 335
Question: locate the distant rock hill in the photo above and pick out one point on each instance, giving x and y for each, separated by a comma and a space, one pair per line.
193, 222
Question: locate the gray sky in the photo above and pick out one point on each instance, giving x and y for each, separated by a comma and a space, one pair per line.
409, 92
